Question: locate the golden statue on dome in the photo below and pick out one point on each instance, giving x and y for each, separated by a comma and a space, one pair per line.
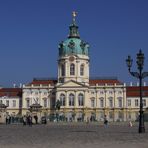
74, 14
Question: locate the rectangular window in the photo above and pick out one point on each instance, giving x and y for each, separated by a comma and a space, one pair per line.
101, 103
80, 100
1, 101
128, 102
144, 102
71, 102
110, 103
63, 69
63, 102
81, 70
136, 102
14, 103
92, 103
7, 103
120, 102
72, 69
45, 102
27, 103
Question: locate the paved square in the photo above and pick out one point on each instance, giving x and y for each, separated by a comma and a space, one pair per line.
72, 135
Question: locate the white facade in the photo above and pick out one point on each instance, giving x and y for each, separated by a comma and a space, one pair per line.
78, 73
81, 98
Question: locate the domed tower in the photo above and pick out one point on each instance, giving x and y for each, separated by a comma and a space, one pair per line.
73, 62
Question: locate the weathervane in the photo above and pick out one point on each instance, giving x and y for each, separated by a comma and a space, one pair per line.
74, 14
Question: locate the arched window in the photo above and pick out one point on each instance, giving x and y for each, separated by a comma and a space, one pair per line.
101, 102
92, 102
62, 99
120, 102
110, 102
63, 70
72, 69
81, 100
71, 100
82, 70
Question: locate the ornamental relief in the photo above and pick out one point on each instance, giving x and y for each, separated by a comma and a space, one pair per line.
71, 44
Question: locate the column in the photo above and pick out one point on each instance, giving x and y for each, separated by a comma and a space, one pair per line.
67, 99
76, 100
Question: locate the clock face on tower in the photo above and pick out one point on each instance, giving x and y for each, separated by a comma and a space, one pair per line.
71, 59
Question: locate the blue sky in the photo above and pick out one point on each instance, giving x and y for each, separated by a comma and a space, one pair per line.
30, 31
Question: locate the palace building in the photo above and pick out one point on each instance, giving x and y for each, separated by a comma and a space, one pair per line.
81, 97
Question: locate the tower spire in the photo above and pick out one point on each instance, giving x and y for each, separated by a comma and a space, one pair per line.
73, 27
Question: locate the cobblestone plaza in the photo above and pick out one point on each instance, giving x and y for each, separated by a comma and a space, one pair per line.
73, 135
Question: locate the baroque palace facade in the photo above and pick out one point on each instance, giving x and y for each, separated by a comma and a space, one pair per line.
81, 98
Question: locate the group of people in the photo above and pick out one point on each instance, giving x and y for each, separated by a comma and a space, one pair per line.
106, 122
27, 120
11, 119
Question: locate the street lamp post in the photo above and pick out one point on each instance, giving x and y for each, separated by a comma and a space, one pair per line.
140, 75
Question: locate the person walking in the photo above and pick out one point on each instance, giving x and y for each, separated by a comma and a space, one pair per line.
7, 119
24, 120
105, 121
30, 120
130, 124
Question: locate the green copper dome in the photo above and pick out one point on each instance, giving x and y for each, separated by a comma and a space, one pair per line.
73, 45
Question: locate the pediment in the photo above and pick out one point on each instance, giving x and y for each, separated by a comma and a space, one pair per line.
72, 83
